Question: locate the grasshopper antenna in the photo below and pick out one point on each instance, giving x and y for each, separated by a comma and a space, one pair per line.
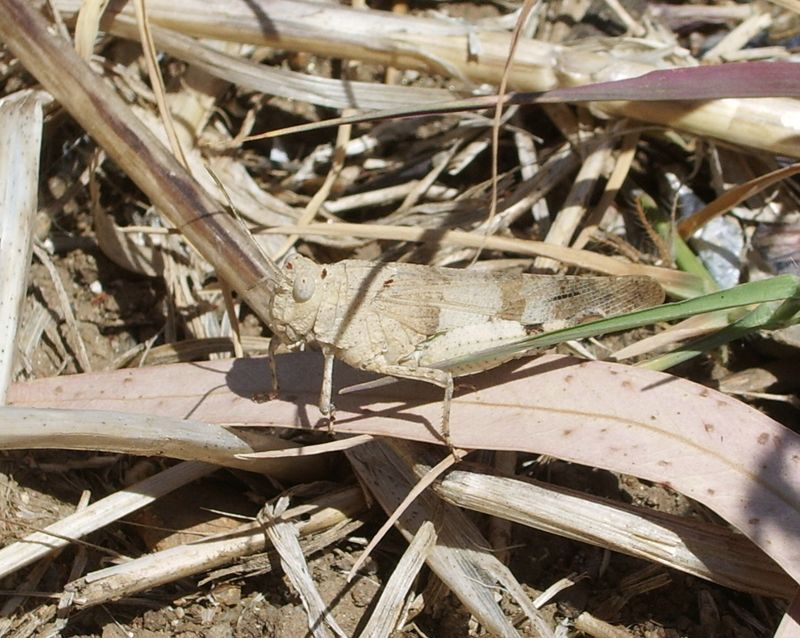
276, 274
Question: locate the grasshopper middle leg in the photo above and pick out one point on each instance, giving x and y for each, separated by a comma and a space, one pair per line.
273, 366
326, 393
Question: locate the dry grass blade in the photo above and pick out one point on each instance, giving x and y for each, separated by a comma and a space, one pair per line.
329, 512
674, 281
790, 625
198, 350
577, 201
282, 82
284, 538
738, 37
734, 196
375, 36
123, 249
708, 551
157, 81
383, 620
87, 25
20, 142
66, 309
25, 428
39, 544
458, 560
524, 16
409, 498
315, 203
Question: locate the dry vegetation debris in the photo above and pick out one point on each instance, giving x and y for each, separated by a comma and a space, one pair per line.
636, 138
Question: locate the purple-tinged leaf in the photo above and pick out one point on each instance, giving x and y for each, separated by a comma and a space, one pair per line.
739, 80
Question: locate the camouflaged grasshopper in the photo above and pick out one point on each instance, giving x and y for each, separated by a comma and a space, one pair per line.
415, 322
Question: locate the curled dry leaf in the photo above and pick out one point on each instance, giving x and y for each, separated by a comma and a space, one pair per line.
713, 448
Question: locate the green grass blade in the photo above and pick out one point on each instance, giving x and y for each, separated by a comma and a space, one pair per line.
766, 316
781, 288
685, 258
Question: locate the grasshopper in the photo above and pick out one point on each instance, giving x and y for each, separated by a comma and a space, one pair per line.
423, 322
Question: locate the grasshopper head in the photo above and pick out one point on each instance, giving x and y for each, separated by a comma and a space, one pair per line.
295, 302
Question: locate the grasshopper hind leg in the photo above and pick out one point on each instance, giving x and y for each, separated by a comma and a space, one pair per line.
442, 378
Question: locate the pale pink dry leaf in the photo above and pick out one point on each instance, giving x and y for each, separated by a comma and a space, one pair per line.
711, 447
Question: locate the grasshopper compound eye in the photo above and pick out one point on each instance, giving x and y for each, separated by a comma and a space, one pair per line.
302, 274
304, 286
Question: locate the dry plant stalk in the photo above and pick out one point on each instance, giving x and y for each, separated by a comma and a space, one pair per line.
146, 435
331, 512
458, 558
448, 47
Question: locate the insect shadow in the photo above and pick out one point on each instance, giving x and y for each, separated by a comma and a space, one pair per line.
300, 372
